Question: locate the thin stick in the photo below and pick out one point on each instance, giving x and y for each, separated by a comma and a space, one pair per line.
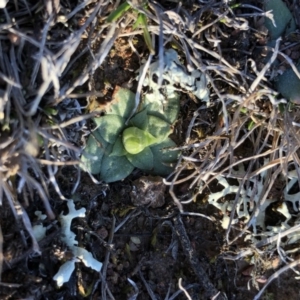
106, 260
183, 289
276, 275
204, 281
1, 252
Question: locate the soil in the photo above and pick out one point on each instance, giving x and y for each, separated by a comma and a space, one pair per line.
145, 250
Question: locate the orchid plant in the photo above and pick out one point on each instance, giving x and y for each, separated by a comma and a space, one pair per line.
116, 148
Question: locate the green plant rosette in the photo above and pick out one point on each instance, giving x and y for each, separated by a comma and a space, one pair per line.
282, 16
288, 84
115, 148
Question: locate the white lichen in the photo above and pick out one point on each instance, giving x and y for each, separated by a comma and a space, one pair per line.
39, 231
249, 199
3, 3
176, 78
80, 254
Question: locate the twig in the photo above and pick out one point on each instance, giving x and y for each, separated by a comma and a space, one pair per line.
104, 286
198, 215
132, 214
276, 275
204, 281
183, 289
149, 290
1, 251
190, 286
140, 85
275, 237
265, 68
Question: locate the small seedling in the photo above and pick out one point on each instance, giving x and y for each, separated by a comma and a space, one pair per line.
141, 21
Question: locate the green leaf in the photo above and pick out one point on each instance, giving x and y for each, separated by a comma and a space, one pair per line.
136, 140
118, 13
284, 20
288, 84
122, 104
93, 153
170, 109
138, 22
158, 128
251, 125
164, 159
118, 148
142, 160
140, 120
146, 34
110, 126
50, 111
115, 168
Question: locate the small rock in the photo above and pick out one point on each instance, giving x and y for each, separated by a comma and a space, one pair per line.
148, 190
135, 240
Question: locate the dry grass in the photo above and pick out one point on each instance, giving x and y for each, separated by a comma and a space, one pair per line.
36, 74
